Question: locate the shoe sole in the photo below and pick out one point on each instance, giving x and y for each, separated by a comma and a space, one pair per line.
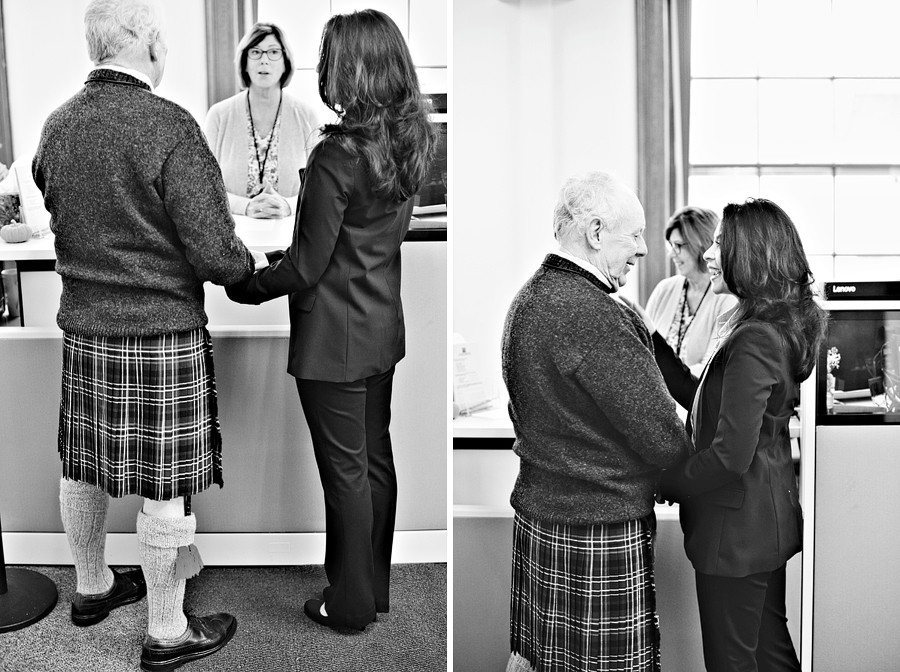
93, 619
175, 663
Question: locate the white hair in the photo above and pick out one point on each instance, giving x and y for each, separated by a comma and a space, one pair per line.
115, 26
586, 197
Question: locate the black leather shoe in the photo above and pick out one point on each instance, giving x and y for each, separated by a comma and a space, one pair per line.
205, 635
311, 607
127, 587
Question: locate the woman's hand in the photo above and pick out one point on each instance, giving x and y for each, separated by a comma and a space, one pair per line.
268, 204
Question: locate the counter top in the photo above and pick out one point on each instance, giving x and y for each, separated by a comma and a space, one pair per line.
491, 423
662, 511
258, 234
494, 423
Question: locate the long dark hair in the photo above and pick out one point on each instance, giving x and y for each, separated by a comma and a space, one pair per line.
764, 265
366, 76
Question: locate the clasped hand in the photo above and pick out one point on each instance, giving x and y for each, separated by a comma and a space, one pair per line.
268, 204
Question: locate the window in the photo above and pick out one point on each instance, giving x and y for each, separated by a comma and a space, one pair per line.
798, 101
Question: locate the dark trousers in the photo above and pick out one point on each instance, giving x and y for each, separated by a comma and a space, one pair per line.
349, 425
744, 623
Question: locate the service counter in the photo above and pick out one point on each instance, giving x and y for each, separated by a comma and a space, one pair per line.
270, 511
484, 472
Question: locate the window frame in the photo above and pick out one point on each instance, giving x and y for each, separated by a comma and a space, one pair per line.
833, 169
6, 153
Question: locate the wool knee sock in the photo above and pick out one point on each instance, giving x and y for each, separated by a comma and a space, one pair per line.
517, 663
159, 539
83, 509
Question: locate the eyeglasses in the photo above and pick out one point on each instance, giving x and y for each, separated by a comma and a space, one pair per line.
675, 247
272, 54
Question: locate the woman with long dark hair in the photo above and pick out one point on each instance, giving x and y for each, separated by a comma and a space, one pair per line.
342, 271
737, 492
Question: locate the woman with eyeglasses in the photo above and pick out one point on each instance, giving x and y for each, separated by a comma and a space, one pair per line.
262, 136
683, 307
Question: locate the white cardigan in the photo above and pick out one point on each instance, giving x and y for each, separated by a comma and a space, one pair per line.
699, 340
226, 132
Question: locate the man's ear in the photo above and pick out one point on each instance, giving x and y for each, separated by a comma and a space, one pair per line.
154, 46
592, 233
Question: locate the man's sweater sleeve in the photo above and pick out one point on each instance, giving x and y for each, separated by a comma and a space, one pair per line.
622, 377
195, 198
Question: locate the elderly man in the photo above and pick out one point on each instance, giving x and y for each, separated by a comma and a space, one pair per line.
141, 220
594, 425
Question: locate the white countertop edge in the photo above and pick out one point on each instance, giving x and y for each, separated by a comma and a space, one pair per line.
663, 511
489, 425
265, 235
483, 432
17, 252
250, 331
216, 331
33, 333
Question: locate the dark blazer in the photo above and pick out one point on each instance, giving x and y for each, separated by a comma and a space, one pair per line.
342, 272
737, 493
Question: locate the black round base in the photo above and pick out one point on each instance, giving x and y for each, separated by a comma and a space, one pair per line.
30, 597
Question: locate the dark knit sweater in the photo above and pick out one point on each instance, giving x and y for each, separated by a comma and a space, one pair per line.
138, 208
594, 423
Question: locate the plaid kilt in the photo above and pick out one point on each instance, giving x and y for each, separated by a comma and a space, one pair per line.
583, 596
138, 414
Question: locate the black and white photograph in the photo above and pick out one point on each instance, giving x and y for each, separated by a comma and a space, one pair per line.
224, 335
675, 331
449, 335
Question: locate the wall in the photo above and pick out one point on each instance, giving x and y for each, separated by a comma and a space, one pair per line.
47, 60
542, 89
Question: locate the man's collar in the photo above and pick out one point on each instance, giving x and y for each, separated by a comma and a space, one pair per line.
130, 72
590, 268
564, 261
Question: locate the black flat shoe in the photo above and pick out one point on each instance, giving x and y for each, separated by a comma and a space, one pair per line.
127, 587
205, 635
311, 607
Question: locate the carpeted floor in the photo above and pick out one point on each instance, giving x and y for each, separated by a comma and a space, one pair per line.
273, 633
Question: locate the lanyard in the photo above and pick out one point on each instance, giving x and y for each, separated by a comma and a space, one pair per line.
682, 327
262, 166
